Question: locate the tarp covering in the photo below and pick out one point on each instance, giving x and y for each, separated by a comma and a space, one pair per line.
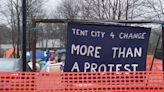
10, 52
39, 54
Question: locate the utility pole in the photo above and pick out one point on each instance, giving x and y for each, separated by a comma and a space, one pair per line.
24, 34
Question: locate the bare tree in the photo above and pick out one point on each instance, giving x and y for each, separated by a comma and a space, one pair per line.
68, 9
155, 9
34, 10
13, 13
97, 10
101, 9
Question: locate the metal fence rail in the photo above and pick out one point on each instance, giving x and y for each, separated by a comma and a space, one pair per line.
80, 82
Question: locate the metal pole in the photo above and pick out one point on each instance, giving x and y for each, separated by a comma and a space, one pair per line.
24, 34
34, 46
163, 44
155, 52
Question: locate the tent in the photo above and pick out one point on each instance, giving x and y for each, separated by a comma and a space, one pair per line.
10, 52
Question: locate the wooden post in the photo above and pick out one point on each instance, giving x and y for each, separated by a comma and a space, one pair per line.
34, 46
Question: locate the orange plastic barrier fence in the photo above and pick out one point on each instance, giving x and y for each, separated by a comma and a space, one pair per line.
157, 65
82, 82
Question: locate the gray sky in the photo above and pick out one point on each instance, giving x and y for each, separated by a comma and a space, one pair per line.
49, 6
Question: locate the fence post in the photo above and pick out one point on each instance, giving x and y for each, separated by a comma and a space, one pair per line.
155, 52
34, 46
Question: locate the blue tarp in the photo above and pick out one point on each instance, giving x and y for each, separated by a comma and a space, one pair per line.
39, 54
